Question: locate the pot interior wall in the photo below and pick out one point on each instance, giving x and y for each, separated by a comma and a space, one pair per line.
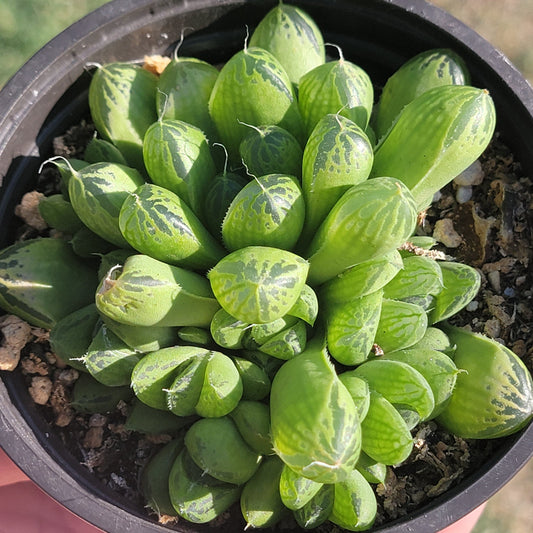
377, 35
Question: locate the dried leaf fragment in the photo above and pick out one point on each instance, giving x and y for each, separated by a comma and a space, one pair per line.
474, 231
393, 492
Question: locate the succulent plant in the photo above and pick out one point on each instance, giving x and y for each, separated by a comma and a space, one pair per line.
282, 328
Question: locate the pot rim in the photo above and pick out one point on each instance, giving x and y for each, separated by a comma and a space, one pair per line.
37, 457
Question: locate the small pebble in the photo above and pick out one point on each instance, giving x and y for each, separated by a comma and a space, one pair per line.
97, 420
120, 430
472, 175
494, 280
446, 201
492, 328
463, 194
60, 403
418, 497
519, 348
68, 376
472, 306
155, 63
40, 334
123, 408
93, 438
51, 358
33, 364
119, 480
14, 334
40, 389
445, 233
28, 210
524, 310
420, 443
64, 419
509, 292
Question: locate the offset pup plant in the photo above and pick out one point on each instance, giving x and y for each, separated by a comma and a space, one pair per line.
300, 340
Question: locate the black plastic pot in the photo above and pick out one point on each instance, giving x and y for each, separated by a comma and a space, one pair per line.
49, 94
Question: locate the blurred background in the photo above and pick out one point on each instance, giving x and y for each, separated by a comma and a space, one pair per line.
26, 25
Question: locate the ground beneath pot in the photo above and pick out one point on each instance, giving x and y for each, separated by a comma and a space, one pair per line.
483, 219
511, 510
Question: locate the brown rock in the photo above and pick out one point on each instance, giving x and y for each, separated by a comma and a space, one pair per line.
472, 175
97, 420
17, 333
93, 438
155, 64
33, 364
493, 328
445, 233
67, 376
28, 210
59, 400
40, 389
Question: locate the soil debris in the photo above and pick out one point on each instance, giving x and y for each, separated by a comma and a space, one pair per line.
16, 334
446, 233
28, 210
40, 389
